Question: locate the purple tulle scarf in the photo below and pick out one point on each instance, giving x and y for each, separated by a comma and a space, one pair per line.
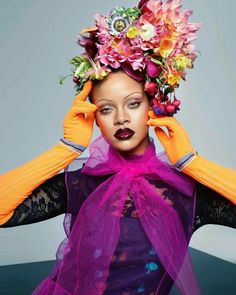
84, 267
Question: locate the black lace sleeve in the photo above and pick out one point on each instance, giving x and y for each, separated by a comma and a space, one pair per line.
213, 208
46, 201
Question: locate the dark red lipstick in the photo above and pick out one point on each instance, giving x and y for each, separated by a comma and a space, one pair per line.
124, 134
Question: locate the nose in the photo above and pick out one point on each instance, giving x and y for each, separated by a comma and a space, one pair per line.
121, 117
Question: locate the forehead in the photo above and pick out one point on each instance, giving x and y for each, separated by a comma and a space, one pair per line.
116, 85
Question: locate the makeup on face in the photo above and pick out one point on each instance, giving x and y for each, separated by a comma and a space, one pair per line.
122, 112
124, 134
134, 100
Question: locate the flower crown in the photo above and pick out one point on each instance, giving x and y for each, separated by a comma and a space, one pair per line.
151, 43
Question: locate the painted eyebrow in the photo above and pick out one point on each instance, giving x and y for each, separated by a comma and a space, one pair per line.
124, 97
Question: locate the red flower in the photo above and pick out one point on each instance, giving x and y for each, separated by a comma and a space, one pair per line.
142, 3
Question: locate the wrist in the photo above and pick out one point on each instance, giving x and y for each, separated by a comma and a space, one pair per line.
185, 160
78, 148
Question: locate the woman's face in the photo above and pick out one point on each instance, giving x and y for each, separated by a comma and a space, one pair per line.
122, 103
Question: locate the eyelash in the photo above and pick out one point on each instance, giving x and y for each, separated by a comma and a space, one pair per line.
103, 111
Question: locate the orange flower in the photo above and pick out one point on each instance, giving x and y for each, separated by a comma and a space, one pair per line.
89, 30
166, 47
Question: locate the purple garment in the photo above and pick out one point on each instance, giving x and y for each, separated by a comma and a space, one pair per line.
86, 259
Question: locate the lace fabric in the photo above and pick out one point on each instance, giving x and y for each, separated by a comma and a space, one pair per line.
46, 201
213, 208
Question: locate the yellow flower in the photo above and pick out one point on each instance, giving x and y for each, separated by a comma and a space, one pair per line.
133, 32
182, 61
173, 79
166, 47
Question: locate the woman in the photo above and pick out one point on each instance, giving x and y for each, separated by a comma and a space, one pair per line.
139, 256
127, 107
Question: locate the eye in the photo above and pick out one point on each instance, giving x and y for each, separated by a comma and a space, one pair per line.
105, 110
135, 104
132, 105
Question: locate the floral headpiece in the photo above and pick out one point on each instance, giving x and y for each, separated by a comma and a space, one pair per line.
151, 43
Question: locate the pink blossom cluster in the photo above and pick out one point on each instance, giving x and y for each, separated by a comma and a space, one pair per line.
151, 42
158, 21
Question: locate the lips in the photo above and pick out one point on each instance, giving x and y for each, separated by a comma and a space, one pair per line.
124, 133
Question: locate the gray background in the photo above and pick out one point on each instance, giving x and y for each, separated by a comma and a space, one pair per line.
38, 38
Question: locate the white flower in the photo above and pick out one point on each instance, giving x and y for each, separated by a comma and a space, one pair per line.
148, 31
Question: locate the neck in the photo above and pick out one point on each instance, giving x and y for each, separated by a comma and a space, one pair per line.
137, 151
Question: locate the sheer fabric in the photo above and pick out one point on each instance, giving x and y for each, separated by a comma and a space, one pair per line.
167, 224
50, 200
134, 254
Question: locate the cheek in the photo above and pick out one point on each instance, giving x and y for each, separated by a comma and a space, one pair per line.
103, 122
142, 114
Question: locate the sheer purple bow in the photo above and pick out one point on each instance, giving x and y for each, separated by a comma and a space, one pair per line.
97, 224
84, 259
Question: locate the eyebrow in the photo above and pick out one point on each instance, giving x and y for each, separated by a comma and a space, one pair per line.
124, 97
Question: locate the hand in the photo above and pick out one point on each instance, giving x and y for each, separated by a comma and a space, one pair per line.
78, 126
177, 144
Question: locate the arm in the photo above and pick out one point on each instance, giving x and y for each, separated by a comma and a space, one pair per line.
212, 208
17, 184
219, 178
177, 145
46, 201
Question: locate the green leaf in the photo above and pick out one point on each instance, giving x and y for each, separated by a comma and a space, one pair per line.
156, 61
63, 78
77, 60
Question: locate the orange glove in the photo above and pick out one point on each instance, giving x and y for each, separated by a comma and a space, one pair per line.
17, 184
217, 177
177, 144
77, 128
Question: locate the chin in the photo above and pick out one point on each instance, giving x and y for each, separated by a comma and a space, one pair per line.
130, 146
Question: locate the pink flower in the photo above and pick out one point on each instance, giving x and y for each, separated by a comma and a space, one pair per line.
137, 75
153, 69
88, 43
171, 23
136, 60
119, 51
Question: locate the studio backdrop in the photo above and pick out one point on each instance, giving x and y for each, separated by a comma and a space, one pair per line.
37, 40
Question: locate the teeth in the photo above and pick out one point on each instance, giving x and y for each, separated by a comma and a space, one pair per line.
124, 135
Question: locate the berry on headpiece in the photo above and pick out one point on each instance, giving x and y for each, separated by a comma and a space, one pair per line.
151, 43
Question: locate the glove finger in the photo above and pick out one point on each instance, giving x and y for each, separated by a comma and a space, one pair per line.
84, 105
84, 92
169, 122
75, 110
161, 136
90, 118
154, 116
